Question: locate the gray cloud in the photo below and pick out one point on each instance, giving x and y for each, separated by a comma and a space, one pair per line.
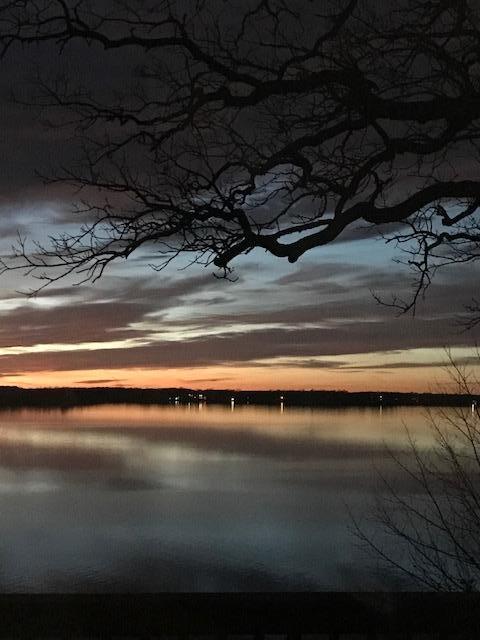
87, 322
97, 319
316, 272
305, 333
238, 348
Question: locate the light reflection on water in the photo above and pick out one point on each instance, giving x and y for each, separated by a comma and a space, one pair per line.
134, 498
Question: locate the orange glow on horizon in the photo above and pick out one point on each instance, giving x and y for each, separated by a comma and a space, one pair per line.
255, 378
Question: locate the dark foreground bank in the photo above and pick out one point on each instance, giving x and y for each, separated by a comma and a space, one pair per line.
15, 397
333, 615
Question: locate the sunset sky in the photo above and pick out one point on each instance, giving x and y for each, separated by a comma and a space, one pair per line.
311, 325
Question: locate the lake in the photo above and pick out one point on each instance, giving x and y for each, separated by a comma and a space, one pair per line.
135, 498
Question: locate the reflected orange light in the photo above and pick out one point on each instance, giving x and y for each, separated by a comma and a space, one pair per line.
93, 427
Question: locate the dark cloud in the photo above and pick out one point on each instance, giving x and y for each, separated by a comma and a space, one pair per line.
99, 320
214, 301
408, 364
241, 348
369, 232
310, 363
98, 381
319, 271
163, 293
320, 308
63, 292
87, 322
304, 333
28, 143
210, 380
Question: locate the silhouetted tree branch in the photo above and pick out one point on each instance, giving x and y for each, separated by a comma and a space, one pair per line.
430, 530
266, 124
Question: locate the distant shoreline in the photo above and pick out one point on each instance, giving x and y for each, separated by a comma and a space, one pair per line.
18, 397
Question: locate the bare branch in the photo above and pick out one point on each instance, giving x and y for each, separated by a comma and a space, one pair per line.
277, 129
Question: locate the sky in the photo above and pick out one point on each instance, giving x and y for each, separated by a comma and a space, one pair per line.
310, 325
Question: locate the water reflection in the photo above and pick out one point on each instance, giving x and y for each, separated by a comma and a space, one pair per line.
206, 498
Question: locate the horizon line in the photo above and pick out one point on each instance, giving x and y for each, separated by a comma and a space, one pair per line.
379, 392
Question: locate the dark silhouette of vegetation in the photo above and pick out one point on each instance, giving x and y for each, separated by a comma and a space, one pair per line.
12, 397
263, 124
435, 523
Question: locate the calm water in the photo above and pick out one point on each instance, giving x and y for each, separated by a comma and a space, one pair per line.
127, 498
